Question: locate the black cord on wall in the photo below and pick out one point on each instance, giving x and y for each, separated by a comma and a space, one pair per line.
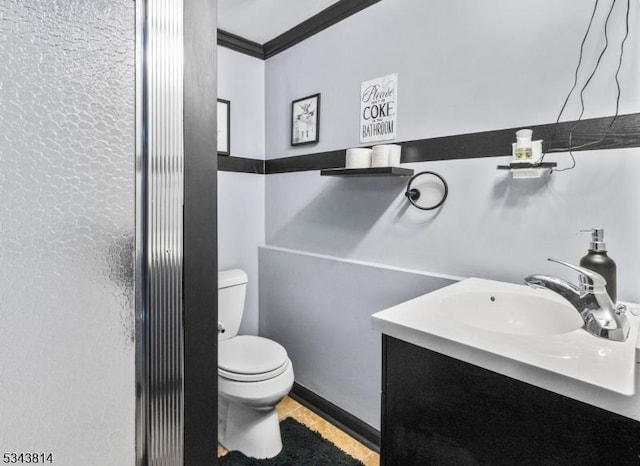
570, 147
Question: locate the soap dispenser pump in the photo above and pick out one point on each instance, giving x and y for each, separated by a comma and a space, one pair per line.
598, 261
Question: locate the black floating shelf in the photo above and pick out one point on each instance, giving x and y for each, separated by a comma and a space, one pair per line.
518, 166
375, 171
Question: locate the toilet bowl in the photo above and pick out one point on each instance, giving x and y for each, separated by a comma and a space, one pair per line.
248, 394
254, 375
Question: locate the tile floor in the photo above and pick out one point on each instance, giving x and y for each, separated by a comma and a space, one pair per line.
291, 408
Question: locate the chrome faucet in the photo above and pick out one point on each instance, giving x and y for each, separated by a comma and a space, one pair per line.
601, 317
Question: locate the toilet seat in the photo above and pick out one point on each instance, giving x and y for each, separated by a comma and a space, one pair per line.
254, 377
248, 358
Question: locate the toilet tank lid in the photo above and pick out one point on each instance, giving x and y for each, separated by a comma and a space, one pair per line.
227, 278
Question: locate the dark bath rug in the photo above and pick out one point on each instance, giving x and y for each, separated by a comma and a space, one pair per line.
300, 447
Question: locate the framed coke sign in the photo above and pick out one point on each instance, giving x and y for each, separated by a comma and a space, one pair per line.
378, 109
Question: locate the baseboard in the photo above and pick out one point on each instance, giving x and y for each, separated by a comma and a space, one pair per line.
359, 430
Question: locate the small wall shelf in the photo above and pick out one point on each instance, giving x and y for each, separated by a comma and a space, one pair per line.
375, 171
528, 170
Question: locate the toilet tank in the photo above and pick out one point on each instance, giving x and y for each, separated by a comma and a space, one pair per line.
232, 287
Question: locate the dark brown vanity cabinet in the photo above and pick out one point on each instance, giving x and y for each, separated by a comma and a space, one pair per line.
440, 411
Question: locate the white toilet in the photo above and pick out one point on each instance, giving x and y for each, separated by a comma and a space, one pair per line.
254, 374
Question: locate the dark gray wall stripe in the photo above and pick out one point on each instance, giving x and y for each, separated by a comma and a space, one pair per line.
240, 164
200, 234
326, 18
625, 132
332, 159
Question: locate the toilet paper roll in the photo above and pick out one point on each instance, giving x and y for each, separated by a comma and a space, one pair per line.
380, 156
394, 155
358, 157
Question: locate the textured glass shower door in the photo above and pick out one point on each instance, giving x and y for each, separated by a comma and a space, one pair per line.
67, 224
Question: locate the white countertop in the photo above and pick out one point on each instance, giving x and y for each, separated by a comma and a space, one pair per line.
553, 362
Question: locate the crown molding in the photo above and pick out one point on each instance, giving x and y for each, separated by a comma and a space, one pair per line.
240, 44
317, 23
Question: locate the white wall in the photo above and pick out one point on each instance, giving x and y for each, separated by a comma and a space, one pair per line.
464, 66
459, 72
241, 219
326, 327
490, 225
240, 232
241, 80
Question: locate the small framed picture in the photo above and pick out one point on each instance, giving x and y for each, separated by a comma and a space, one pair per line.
305, 120
224, 127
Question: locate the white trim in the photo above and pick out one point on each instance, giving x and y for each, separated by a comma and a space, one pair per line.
364, 263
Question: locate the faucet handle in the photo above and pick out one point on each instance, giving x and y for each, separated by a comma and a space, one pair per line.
589, 280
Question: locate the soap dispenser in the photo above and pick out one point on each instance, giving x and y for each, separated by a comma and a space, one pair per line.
598, 261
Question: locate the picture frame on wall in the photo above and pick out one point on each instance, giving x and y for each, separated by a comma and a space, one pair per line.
224, 127
305, 120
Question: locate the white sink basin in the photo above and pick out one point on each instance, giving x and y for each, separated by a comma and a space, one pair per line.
511, 312
515, 330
